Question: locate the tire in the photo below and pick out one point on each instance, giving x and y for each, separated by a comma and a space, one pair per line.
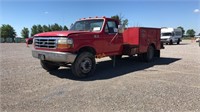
48, 66
150, 54
117, 57
84, 65
157, 53
178, 42
170, 42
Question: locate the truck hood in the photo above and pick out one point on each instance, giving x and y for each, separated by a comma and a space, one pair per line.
60, 33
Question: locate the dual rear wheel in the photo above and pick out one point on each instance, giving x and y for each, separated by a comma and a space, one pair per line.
150, 54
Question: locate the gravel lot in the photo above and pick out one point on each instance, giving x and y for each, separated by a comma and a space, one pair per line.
171, 83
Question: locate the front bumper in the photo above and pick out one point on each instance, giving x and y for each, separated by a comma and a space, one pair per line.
54, 56
165, 40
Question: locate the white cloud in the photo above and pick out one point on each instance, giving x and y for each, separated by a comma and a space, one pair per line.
196, 11
46, 12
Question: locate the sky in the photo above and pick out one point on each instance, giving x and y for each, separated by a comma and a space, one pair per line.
144, 13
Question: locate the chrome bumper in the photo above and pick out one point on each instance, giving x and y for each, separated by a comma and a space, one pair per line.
165, 40
54, 56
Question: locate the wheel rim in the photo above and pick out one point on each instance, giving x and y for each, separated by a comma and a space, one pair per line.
86, 65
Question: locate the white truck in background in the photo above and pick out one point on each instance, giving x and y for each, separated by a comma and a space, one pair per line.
171, 35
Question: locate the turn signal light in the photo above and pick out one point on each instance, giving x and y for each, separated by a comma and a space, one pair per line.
63, 46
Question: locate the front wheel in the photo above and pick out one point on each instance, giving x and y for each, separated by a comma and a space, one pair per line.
84, 65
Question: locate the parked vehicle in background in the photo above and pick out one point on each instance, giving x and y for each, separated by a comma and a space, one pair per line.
197, 38
171, 35
94, 37
29, 40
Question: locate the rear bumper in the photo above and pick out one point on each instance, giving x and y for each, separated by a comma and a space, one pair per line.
54, 56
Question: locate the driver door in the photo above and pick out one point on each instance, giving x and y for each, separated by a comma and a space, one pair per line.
112, 39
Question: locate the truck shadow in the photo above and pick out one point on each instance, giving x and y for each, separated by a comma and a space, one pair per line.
105, 69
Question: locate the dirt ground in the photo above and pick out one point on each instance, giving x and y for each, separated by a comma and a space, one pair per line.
171, 83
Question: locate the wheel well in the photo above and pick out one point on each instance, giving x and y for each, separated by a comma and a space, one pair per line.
153, 46
87, 49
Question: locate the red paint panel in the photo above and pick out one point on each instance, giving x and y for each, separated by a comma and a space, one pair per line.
142, 37
131, 36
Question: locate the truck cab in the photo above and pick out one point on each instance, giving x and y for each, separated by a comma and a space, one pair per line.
88, 37
171, 35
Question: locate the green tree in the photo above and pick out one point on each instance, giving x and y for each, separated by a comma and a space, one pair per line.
117, 18
71, 25
39, 29
123, 22
65, 28
34, 30
190, 32
7, 31
183, 31
49, 27
46, 28
61, 28
56, 27
25, 33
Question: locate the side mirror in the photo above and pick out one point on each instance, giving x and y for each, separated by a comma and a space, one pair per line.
120, 29
115, 30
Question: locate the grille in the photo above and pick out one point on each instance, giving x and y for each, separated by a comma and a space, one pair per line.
45, 43
163, 39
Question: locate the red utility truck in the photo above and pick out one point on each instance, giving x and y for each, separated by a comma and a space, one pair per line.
91, 38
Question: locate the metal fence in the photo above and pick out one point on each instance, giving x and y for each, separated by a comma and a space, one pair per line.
9, 40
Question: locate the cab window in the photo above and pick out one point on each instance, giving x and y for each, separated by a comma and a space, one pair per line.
111, 27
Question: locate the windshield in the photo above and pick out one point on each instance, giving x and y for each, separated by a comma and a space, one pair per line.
166, 34
88, 25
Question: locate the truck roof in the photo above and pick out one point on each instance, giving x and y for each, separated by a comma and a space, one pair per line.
145, 27
170, 29
91, 18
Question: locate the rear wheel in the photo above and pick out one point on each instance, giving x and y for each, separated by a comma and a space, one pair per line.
84, 65
150, 54
49, 66
157, 53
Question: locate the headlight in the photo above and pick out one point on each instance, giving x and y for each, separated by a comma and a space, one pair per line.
69, 41
64, 43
